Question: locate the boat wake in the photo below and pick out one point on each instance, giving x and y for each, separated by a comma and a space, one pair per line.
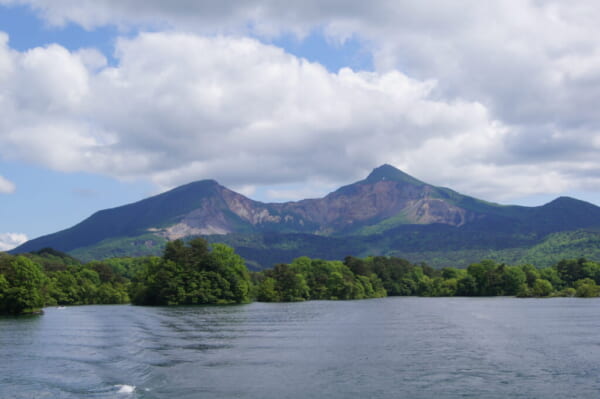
125, 389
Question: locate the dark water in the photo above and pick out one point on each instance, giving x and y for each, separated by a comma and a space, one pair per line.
388, 348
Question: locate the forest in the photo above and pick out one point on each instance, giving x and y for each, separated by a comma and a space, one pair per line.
197, 272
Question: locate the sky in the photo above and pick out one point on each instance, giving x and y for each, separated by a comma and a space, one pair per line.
106, 102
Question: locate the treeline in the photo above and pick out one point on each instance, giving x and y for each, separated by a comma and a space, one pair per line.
185, 275
378, 276
306, 279
50, 278
199, 273
577, 277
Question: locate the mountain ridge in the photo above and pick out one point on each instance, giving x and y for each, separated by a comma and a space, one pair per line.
384, 208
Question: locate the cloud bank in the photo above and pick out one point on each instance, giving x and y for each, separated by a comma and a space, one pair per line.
496, 99
180, 107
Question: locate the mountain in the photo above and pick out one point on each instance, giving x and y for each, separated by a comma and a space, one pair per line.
387, 213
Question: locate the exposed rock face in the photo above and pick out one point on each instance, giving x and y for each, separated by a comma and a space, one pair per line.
184, 229
432, 210
386, 193
251, 211
369, 202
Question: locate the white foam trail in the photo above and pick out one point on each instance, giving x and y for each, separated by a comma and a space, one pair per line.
125, 388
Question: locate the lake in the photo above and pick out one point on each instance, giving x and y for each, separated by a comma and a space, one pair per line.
401, 347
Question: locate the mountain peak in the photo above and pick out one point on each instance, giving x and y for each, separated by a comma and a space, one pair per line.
563, 201
388, 172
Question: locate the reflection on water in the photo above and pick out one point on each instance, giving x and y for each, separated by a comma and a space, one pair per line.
393, 347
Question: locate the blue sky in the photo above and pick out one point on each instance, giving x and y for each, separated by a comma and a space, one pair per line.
107, 102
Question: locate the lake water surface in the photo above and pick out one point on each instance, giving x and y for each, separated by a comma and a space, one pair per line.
384, 348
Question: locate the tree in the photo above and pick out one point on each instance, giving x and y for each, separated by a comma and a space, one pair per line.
338, 287
586, 288
542, 287
591, 270
524, 291
531, 274
467, 286
447, 287
193, 274
512, 279
451, 272
267, 291
571, 270
289, 285
551, 274
358, 266
3, 288
231, 267
486, 277
21, 286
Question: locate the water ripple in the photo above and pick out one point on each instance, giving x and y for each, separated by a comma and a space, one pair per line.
394, 347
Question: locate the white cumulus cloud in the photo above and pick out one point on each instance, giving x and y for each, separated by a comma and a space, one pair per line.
533, 66
180, 107
6, 186
493, 98
9, 241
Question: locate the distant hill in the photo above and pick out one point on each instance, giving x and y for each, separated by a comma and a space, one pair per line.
388, 213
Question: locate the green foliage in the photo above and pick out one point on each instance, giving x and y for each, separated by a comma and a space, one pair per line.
119, 247
3, 287
395, 276
267, 291
200, 273
192, 274
307, 278
586, 288
488, 278
85, 285
49, 278
467, 286
551, 274
566, 292
512, 279
52, 260
21, 286
437, 245
524, 291
386, 224
378, 276
563, 245
285, 284
542, 288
